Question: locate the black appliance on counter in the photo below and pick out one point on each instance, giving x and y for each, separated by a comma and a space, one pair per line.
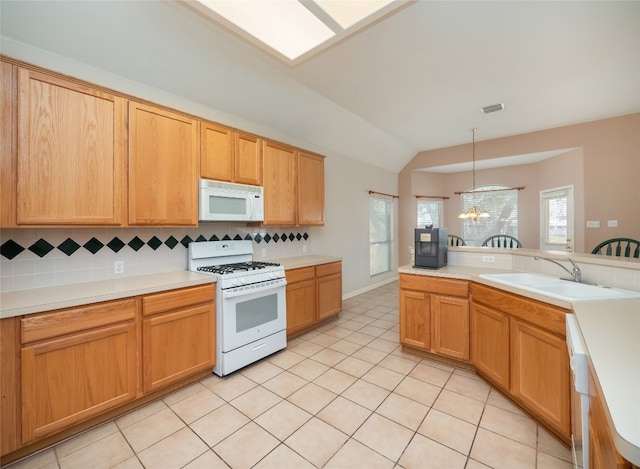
431, 247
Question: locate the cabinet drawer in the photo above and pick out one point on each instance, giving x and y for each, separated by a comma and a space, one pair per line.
441, 286
176, 299
551, 318
298, 275
329, 269
61, 322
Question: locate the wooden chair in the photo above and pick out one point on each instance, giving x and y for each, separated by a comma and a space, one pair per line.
456, 240
502, 241
621, 247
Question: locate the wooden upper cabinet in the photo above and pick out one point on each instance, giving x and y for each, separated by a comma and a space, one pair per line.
279, 181
163, 167
70, 164
216, 157
229, 155
310, 189
248, 159
8, 144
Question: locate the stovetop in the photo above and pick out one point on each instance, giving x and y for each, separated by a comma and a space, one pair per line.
232, 263
226, 269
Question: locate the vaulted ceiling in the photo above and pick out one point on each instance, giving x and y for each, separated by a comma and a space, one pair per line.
412, 81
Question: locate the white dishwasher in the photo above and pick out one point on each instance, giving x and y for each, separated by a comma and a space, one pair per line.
581, 389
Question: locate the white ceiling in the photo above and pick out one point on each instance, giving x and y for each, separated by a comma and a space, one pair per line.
413, 81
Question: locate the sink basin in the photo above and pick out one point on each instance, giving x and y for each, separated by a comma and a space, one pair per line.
560, 288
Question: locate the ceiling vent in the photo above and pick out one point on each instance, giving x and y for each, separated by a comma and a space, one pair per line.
493, 108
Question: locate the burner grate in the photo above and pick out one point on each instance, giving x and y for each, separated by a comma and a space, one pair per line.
237, 267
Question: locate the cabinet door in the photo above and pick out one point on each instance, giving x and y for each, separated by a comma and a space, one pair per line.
70, 167
176, 345
490, 344
216, 156
540, 374
248, 159
279, 181
301, 305
415, 319
450, 326
310, 189
8, 144
9, 385
75, 377
329, 294
163, 158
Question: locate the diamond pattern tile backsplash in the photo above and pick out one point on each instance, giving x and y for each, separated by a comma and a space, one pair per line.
31, 258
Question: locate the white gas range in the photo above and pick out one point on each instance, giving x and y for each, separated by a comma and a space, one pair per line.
251, 319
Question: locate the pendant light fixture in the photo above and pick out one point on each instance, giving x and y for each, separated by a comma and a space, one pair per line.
473, 213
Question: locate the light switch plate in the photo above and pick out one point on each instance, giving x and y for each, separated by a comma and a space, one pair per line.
612, 223
593, 224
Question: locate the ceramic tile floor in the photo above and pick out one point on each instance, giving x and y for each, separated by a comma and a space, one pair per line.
342, 396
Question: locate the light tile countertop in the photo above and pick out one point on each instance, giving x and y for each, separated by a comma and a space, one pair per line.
611, 332
305, 261
36, 300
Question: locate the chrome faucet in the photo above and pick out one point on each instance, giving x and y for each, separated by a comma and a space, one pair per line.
576, 273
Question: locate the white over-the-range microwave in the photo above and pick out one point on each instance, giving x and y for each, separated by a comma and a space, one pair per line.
224, 201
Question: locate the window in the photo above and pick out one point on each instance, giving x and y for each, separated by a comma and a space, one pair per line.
500, 202
380, 235
429, 213
556, 219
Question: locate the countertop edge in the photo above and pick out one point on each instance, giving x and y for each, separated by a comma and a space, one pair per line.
604, 363
38, 300
23, 302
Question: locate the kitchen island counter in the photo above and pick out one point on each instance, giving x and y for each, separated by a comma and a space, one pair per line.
611, 332
36, 300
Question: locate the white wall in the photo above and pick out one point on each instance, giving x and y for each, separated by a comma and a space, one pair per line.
346, 230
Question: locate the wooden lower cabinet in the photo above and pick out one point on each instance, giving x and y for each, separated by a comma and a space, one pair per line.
602, 451
314, 294
178, 335
540, 373
415, 319
72, 371
490, 344
519, 345
328, 289
68, 368
450, 326
434, 315
301, 294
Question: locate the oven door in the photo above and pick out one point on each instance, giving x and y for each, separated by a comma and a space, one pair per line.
249, 317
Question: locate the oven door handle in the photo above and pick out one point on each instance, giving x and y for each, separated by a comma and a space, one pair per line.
233, 292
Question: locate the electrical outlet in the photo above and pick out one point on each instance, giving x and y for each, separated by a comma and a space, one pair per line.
612, 223
304, 248
488, 259
263, 252
118, 267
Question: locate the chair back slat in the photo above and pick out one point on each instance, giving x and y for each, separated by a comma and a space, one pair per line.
502, 241
455, 240
620, 247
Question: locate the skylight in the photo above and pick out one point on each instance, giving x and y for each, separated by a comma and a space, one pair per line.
295, 29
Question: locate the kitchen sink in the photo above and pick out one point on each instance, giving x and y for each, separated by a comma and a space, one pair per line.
560, 288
